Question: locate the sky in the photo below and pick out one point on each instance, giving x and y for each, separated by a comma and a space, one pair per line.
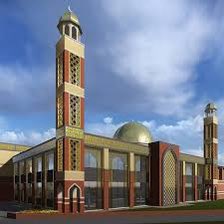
155, 62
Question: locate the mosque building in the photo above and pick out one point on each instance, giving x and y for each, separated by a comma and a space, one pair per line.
77, 171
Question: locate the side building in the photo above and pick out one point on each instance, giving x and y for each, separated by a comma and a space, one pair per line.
7, 151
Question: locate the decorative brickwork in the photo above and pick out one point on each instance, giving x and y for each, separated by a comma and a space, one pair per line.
60, 112
60, 153
75, 67
75, 154
60, 68
75, 111
169, 179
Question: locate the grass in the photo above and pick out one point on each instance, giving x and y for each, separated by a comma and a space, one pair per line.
194, 206
39, 211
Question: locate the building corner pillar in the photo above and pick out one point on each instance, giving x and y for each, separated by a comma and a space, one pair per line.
33, 182
195, 181
105, 178
184, 182
131, 179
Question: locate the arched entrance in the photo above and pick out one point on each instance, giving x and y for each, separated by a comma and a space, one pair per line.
169, 179
75, 196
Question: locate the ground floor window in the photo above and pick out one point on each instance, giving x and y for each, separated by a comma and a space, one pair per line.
141, 180
22, 192
119, 191
17, 191
140, 193
39, 193
93, 195
200, 182
50, 194
189, 186
200, 189
119, 195
29, 193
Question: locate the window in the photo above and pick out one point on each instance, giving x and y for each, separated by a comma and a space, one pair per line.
189, 186
119, 180
93, 189
74, 33
200, 182
50, 161
67, 30
141, 186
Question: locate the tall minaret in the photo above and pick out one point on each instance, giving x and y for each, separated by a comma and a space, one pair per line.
211, 150
70, 116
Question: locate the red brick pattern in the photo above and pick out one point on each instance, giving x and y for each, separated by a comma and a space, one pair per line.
131, 188
66, 65
183, 189
195, 188
105, 184
82, 72
66, 108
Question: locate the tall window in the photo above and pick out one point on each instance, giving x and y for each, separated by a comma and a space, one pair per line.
38, 168
67, 30
50, 179
141, 186
200, 177
22, 180
16, 176
181, 180
29, 180
189, 186
119, 177
74, 33
93, 189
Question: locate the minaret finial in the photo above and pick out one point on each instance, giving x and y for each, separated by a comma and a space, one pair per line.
69, 8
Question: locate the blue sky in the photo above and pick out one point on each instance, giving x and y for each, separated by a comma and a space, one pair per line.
155, 62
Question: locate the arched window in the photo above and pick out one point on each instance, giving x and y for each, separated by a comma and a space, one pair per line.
74, 33
67, 30
90, 160
118, 163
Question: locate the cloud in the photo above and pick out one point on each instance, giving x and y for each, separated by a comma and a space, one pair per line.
26, 90
157, 47
221, 159
108, 120
186, 133
104, 128
26, 138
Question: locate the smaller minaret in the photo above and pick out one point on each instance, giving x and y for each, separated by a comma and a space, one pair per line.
211, 150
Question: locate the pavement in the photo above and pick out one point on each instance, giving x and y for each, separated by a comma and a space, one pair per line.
118, 217
145, 217
12, 206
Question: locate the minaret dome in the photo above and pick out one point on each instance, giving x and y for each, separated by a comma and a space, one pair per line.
210, 110
69, 25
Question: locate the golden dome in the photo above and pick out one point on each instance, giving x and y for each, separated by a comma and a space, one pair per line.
133, 132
